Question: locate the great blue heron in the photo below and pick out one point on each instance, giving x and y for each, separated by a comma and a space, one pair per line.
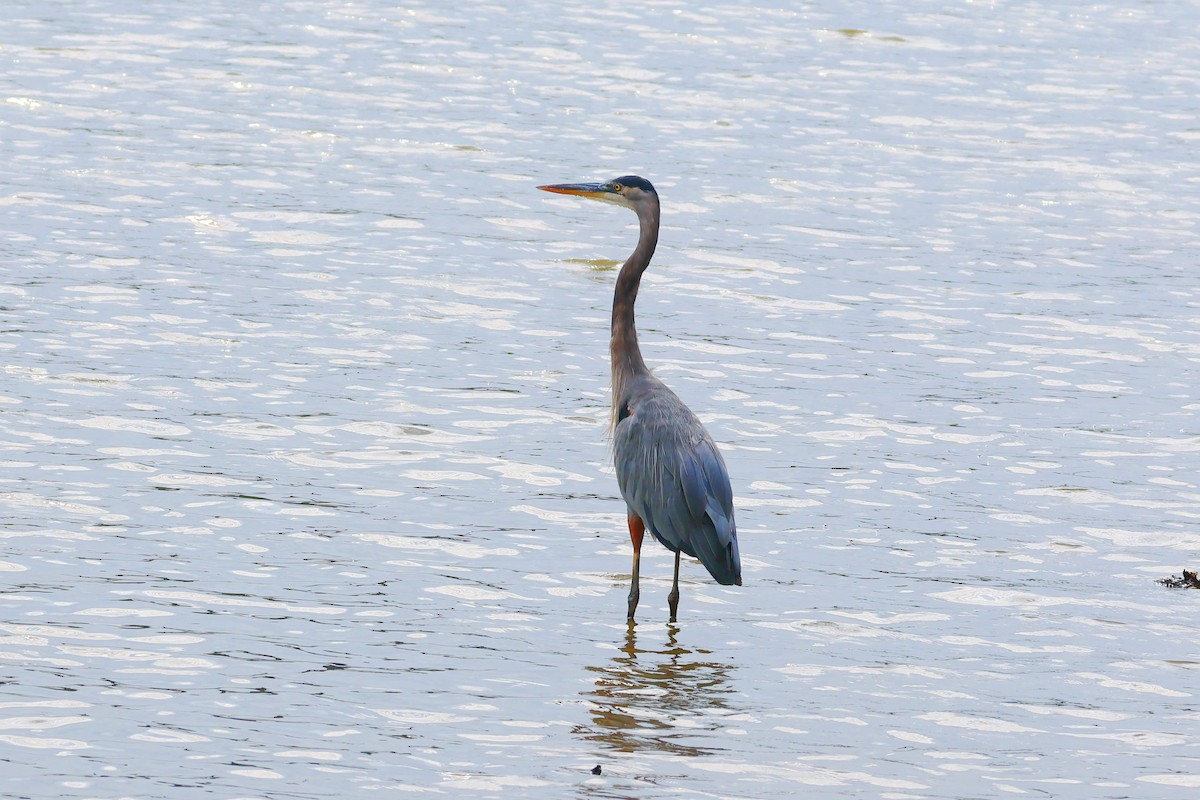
670, 472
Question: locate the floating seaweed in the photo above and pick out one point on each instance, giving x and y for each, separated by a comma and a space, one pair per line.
1188, 581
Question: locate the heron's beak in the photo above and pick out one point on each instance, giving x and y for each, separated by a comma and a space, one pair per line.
596, 191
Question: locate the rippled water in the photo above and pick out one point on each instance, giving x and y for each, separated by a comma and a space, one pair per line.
305, 485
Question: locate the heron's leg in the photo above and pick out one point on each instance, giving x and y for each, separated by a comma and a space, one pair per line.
637, 530
673, 597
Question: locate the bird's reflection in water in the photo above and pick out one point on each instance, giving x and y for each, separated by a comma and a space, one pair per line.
662, 699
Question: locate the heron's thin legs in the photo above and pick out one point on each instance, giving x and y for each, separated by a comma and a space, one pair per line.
673, 597
637, 530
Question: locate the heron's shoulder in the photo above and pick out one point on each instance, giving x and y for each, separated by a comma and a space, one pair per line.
648, 394
650, 408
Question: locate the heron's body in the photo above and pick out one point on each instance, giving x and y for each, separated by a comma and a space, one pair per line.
669, 470
688, 506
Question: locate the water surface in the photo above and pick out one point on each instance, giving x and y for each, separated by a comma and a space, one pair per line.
305, 485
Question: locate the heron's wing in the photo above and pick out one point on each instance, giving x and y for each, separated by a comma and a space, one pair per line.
672, 476
718, 550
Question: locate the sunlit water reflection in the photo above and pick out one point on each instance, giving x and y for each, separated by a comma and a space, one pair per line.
304, 476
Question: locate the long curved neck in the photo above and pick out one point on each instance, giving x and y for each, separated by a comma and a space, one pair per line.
626, 355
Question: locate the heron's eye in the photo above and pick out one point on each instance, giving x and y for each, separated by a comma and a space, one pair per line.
616, 187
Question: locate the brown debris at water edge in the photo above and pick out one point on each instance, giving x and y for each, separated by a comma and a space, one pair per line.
1188, 581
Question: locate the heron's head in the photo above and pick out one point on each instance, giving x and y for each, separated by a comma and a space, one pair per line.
630, 191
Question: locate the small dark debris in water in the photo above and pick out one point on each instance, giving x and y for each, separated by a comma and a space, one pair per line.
596, 770
1188, 581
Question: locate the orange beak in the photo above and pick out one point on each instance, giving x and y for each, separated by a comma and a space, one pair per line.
596, 191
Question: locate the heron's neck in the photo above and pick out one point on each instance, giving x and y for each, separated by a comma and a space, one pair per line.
626, 355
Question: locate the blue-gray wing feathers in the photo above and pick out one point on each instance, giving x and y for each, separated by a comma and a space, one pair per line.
672, 477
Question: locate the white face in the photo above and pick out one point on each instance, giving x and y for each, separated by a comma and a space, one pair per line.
627, 196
